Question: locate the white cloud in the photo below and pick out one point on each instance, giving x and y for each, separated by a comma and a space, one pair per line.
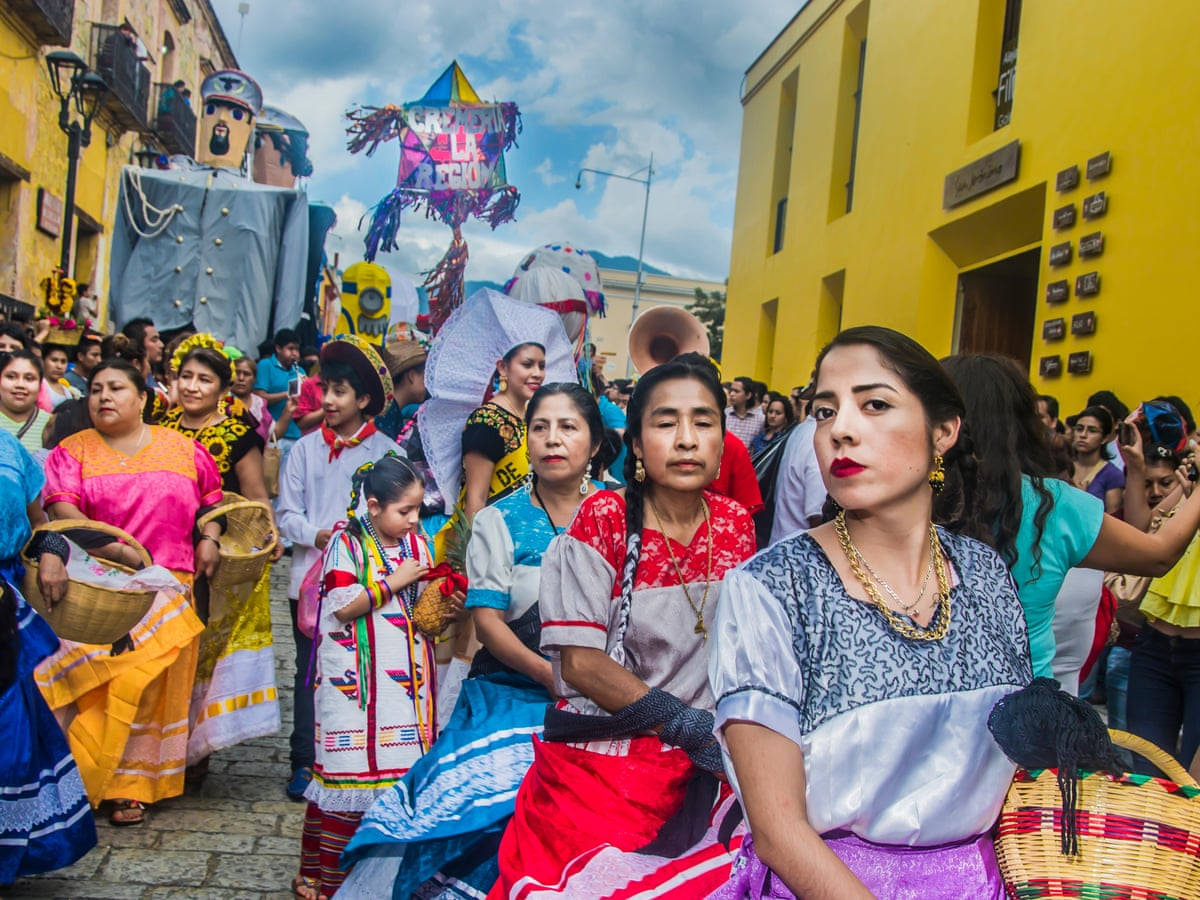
658, 76
545, 169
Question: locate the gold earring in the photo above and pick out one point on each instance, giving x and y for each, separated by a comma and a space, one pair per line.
937, 478
503, 384
639, 471
584, 484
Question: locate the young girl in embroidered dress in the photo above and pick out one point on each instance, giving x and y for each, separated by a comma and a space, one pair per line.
375, 695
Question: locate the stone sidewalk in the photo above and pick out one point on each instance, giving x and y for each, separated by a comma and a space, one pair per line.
236, 838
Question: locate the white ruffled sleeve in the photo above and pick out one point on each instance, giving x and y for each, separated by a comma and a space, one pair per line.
754, 668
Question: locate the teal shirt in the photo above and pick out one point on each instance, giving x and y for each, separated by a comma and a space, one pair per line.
273, 378
1068, 535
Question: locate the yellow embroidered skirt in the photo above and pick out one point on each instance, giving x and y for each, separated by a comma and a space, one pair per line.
126, 716
235, 697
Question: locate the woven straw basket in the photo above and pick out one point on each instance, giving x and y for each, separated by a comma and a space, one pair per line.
1139, 837
90, 614
247, 543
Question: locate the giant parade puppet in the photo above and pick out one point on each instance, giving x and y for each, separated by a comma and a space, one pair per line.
201, 244
452, 147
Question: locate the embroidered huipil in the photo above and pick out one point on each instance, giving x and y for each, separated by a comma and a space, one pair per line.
364, 745
894, 731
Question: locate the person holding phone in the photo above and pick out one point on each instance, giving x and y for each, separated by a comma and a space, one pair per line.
273, 383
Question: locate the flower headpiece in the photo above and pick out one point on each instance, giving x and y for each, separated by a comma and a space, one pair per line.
196, 341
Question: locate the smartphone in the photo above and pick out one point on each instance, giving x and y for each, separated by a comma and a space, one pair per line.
1125, 434
1193, 473
294, 387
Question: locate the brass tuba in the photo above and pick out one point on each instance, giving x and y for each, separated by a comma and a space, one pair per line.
662, 333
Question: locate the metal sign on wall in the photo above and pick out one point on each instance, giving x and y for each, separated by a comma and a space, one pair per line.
984, 174
49, 213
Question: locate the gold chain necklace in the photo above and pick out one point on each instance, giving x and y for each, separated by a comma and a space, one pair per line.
700, 629
905, 608
941, 621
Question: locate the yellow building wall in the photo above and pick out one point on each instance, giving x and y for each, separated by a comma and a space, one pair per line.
1092, 76
30, 137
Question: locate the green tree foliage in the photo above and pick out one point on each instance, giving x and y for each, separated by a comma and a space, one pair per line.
709, 308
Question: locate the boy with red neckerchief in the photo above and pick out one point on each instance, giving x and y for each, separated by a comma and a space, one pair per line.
313, 488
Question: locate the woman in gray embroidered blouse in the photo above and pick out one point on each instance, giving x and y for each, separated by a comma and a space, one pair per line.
855, 665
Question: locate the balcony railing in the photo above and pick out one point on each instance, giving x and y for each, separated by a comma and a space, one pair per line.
174, 121
49, 20
115, 59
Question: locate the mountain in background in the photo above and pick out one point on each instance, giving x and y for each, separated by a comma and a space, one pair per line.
624, 264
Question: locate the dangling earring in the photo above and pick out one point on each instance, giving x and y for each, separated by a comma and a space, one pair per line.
584, 484
503, 384
639, 471
937, 478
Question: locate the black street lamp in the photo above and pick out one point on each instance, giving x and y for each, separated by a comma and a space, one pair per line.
73, 83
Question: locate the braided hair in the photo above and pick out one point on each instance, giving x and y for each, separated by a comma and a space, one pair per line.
691, 366
383, 481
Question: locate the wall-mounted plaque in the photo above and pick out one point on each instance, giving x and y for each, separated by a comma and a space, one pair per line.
1058, 291
1080, 363
1060, 254
983, 175
1091, 245
1087, 284
1050, 366
1099, 166
1054, 329
1083, 323
49, 213
1067, 179
1064, 217
1095, 206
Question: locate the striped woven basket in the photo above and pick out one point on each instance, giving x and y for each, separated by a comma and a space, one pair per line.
1139, 836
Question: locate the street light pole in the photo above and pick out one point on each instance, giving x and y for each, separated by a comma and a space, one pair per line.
72, 82
637, 284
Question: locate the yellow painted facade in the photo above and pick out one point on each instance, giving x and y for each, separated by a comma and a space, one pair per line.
610, 334
1092, 76
182, 39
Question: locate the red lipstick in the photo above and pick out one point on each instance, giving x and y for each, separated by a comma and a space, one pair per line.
844, 467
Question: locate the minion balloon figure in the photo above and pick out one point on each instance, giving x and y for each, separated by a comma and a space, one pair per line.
366, 301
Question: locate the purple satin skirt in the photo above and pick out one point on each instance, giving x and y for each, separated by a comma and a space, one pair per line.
945, 872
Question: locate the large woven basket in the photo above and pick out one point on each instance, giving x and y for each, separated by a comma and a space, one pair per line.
90, 614
247, 543
1139, 837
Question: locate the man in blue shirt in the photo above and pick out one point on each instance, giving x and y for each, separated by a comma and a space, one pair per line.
275, 375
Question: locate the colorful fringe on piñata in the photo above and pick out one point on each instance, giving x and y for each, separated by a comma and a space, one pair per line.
445, 282
451, 164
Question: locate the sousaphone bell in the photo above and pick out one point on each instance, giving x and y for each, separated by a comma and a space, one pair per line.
662, 333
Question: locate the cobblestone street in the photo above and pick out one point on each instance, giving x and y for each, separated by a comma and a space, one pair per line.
236, 837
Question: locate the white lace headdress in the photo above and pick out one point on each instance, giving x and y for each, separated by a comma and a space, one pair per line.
462, 359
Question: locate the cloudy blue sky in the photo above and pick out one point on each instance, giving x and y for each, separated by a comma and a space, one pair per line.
599, 84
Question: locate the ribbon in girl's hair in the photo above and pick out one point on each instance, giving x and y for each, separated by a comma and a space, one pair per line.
356, 484
455, 581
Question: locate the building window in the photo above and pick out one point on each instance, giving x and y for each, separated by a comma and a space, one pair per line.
785, 134
858, 87
1008, 63
848, 110
780, 223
